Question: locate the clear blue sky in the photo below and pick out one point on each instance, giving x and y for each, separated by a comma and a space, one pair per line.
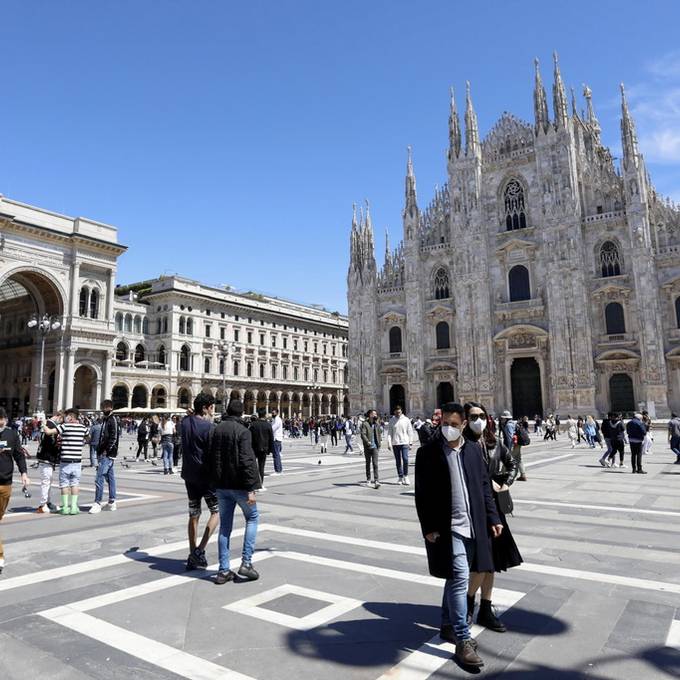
227, 141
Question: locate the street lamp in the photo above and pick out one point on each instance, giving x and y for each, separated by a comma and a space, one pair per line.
43, 324
224, 354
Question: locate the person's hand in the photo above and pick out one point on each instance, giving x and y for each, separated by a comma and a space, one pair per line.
496, 486
432, 538
251, 498
496, 530
24, 479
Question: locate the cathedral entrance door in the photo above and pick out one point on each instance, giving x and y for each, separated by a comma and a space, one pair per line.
444, 393
525, 378
621, 395
397, 397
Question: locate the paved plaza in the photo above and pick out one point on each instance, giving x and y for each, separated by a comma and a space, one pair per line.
344, 591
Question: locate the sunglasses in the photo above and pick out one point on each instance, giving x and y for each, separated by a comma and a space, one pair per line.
477, 416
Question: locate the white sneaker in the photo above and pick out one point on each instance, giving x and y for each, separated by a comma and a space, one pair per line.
112, 506
261, 489
401, 480
406, 482
376, 484
95, 509
623, 465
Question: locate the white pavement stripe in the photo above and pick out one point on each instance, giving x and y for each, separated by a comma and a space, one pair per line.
617, 508
673, 639
144, 648
548, 460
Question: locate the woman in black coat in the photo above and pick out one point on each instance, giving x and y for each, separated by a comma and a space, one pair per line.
502, 469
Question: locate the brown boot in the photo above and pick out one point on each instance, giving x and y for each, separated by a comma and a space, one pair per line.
466, 654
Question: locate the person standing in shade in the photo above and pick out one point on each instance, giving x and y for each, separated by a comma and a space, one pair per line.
72, 433
458, 518
277, 429
636, 431
262, 434
11, 452
196, 433
95, 434
107, 452
400, 436
235, 476
674, 436
142, 440
371, 439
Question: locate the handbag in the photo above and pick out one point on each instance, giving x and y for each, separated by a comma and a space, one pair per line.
504, 500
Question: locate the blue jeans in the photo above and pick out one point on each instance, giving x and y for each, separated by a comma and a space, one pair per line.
277, 457
227, 499
348, 443
401, 457
454, 602
105, 472
675, 446
167, 449
93, 455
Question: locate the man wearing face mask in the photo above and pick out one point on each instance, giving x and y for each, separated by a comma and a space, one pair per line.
458, 519
371, 439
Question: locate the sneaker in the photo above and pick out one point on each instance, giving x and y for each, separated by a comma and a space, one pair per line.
197, 560
261, 489
376, 484
246, 571
466, 654
95, 509
51, 506
224, 577
368, 482
43, 510
602, 462
112, 506
642, 472
406, 482
623, 465
65, 510
401, 480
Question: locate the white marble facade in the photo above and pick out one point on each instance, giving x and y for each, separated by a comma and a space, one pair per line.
543, 276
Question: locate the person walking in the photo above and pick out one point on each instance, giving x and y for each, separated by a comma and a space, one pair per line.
333, 425
277, 429
196, 433
107, 452
400, 435
262, 435
589, 431
143, 440
167, 447
154, 437
348, 430
606, 431
72, 433
49, 451
617, 432
457, 518
674, 436
94, 435
636, 431
572, 431
323, 426
502, 469
235, 476
371, 439
649, 437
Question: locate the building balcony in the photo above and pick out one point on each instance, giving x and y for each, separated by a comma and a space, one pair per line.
611, 216
617, 340
519, 309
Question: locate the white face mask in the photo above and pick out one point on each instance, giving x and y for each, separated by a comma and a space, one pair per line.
477, 426
451, 434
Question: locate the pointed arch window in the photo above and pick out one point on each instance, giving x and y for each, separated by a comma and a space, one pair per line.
94, 303
518, 283
515, 207
441, 284
182, 325
121, 351
184, 358
190, 326
610, 259
443, 335
395, 340
82, 308
614, 318
139, 353
161, 355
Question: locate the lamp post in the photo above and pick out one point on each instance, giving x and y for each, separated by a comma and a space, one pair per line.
43, 324
224, 354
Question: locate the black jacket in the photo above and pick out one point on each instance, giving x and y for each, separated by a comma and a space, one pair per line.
10, 453
231, 461
500, 464
49, 449
262, 436
108, 440
434, 507
425, 433
617, 431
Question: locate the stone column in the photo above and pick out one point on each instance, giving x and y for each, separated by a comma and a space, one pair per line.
58, 377
69, 375
106, 380
98, 393
110, 295
75, 288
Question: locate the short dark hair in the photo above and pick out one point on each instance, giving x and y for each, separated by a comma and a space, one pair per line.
275, 410
235, 408
397, 407
453, 407
368, 413
107, 403
203, 400
3, 413
73, 411
261, 412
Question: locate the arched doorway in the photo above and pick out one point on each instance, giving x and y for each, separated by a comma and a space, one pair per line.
158, 395
119, 396
140, 396
183, 398
345, 406
261, 400
23, 294
621, 394
85, 388
444, 393
525, 379
306, 412
248, 403
397, 397
285, 406
334, 406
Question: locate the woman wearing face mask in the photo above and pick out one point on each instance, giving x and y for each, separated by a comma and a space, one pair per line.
503, 470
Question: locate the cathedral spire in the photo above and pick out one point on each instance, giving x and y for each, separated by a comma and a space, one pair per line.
454, 130
592, 118
411, 202
559, 96
628, 134
388, 252
471, 128
574, 112
540, 102
368, 234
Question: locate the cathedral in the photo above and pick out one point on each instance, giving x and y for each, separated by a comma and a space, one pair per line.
542, 277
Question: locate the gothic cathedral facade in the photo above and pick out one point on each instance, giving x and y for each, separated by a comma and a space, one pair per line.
541, 277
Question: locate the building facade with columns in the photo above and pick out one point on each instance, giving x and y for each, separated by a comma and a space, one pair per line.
175, 337
543, 276
63, 270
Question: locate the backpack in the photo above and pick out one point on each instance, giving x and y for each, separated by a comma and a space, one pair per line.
523, 438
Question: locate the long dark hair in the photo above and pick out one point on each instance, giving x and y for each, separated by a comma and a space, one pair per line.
489, 433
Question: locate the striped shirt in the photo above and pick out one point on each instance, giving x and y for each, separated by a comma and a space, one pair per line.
72, 441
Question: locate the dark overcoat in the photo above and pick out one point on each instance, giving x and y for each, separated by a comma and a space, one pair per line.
434, 506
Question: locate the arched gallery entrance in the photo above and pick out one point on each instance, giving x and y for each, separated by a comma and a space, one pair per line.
525, 379
85, 389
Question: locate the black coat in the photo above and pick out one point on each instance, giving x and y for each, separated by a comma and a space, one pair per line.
231, 462
434, 506
108, 440
262, 436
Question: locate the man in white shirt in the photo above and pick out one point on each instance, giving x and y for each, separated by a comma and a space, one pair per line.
400, 437
277, 427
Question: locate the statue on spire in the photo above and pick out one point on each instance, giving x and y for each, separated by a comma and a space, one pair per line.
559, 96
472, 147
455, 137
590, 112
540, 102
